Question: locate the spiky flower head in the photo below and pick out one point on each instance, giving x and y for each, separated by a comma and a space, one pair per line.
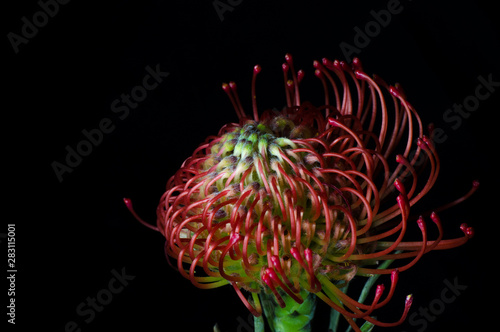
302, 200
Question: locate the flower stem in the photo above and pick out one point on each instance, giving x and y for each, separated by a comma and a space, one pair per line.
293, 317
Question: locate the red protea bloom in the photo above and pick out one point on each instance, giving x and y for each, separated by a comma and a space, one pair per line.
302, 200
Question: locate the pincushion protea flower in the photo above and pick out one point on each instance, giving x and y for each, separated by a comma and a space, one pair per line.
291, 203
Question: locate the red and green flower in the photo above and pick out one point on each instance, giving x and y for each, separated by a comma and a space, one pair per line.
286, 206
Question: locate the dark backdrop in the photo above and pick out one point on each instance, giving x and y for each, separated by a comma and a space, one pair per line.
66, 77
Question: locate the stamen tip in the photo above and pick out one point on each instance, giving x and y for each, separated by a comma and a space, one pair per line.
327, 63
380, 289
408, 301
128, 202
395, 92
360, 75
427, 140
399, 186
356, 64
421, 223
332, 122
394, 275
435, 218
300, 75
468, 231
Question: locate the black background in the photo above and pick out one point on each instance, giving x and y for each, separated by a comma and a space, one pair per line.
71, 234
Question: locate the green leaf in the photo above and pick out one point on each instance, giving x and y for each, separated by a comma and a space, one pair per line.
367, 327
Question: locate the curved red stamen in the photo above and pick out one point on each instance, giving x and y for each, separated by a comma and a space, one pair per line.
473, 189
235, 238
230, 93
298, 257
408, 303
269, 282
243, 299
290, 293
277, 265
128, 203
256, 71
314, 283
